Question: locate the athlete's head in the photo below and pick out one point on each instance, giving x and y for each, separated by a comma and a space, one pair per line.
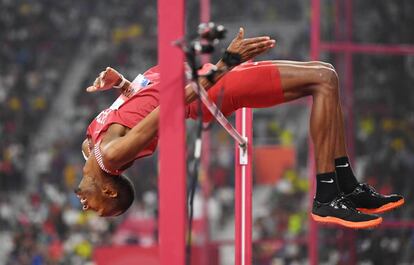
106, 194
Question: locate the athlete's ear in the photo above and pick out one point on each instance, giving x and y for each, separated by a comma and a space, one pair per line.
109, 192
85, 149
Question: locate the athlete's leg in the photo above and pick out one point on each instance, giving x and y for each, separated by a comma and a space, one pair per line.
321, 83
347, 181
340, 143
362, 196
254, 85
266, 84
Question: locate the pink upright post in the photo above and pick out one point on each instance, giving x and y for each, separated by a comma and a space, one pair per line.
172, 178
315, 53
243, 189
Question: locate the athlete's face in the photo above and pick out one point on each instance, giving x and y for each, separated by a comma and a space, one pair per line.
92, 190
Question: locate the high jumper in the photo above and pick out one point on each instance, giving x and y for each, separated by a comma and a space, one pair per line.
127, 130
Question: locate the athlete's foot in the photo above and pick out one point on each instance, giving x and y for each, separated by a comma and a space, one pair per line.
340, 211
367, 200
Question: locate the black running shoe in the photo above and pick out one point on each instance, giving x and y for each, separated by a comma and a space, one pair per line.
367, 200
340, 211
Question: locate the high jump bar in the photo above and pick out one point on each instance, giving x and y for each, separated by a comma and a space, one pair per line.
218, 115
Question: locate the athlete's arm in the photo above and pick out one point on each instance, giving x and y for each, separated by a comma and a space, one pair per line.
122, 150
246, 48
108, 79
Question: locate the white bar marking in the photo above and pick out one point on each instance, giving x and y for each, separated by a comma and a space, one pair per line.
243, 153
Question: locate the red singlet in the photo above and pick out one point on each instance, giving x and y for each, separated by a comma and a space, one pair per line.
253, 85
129, 112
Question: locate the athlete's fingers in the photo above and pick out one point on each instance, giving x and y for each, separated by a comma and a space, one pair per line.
258, 48
256, 39
97, 82
100, 81
259, 51
91, 89
262, 44
110, 71
240, 35
102, 78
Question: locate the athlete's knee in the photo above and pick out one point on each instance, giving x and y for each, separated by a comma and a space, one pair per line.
328, 82
331, 78
323, 64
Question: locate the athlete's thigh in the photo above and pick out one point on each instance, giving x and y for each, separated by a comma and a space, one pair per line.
254, 85
268, 83
300, 79
263, 84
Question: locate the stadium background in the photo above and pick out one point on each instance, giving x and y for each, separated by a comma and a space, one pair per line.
51, 50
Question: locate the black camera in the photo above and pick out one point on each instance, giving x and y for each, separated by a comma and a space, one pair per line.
211, 32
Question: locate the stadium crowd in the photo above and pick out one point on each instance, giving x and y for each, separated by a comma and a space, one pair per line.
39, 40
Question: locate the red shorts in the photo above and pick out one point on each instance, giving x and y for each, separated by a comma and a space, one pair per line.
251, 85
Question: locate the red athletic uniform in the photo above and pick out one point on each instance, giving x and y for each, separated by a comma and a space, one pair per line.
254, 85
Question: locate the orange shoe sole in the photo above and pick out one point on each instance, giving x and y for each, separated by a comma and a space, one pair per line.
354, 225
384, 208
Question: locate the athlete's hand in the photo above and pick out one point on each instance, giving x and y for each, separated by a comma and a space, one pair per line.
105, 80
250, 47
